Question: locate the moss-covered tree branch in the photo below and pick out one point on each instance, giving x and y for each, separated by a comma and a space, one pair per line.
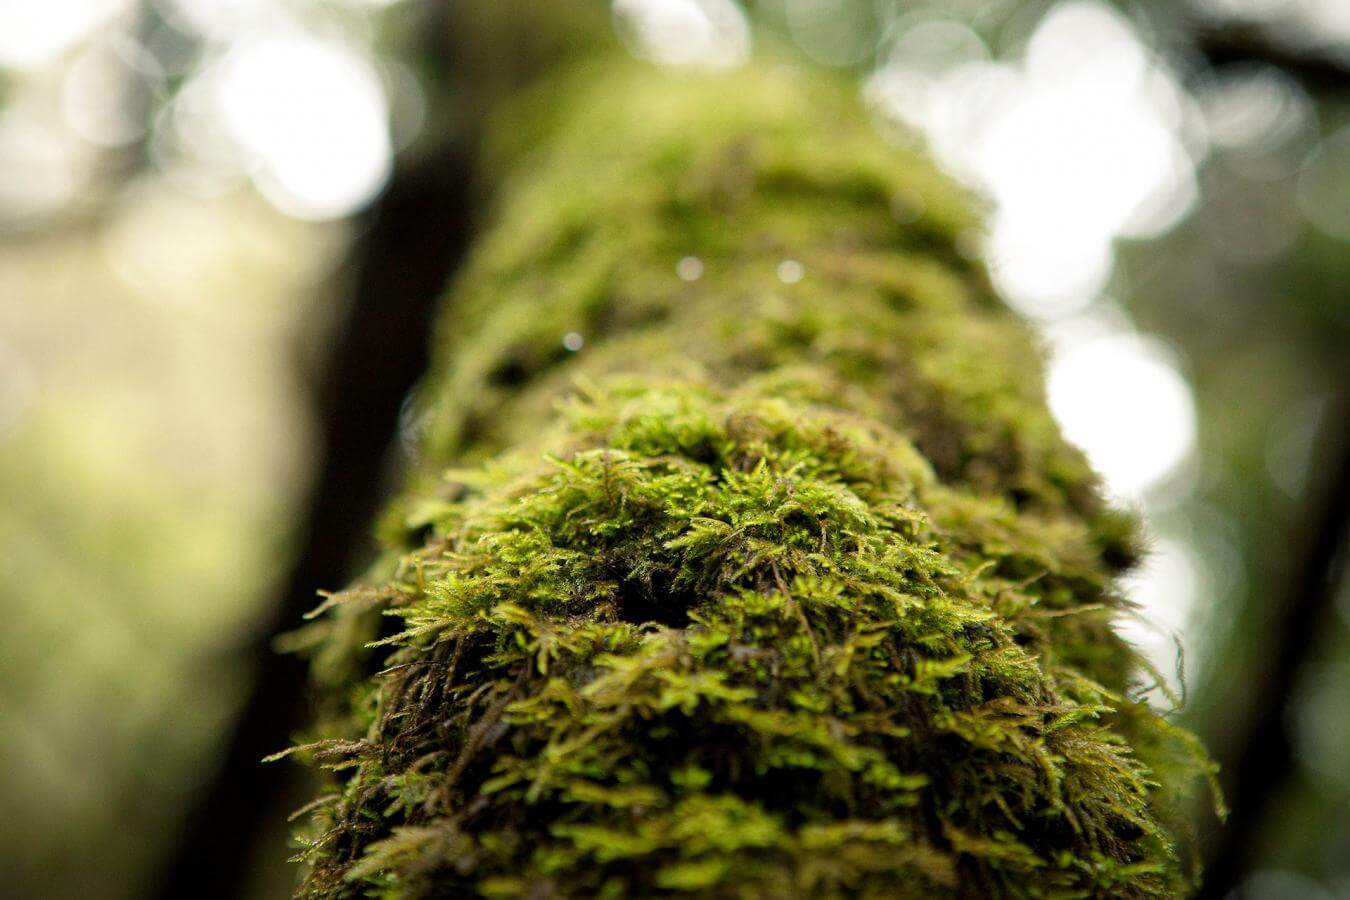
743, 558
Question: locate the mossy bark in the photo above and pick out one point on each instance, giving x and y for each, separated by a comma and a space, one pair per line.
764, 575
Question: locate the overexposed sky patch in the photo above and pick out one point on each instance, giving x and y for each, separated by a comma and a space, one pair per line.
701, 33
312, 116
36, 31
1122, 398
1082, 141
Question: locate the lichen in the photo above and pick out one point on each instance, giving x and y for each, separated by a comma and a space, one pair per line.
774, 587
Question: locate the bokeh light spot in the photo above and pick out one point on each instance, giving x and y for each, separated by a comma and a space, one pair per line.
1085, 141
1165, 590
690, 268
312, 116
1324, 186
707, 33
1121, 399
31, 32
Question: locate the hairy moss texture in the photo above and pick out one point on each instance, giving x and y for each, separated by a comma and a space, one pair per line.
783, 584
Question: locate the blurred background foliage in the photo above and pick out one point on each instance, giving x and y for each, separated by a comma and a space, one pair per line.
181, 182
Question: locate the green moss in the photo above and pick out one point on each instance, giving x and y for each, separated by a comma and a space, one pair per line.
771, 589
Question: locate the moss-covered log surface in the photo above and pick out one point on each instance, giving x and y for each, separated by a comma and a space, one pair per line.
783, 583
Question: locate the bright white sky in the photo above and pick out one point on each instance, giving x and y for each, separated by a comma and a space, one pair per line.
311, 116
34, 31
1081, 141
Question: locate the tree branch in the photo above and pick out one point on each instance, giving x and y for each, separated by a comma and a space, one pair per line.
1267, 762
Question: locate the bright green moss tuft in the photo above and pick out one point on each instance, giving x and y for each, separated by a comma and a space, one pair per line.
770, 590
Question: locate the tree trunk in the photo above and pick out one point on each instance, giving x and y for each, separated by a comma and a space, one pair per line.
742, 556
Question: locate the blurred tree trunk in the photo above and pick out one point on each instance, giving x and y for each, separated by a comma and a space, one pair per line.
472, 55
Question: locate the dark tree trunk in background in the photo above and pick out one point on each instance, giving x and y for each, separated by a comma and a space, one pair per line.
413, 239
1267, 766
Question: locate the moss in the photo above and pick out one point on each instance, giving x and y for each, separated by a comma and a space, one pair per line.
771, 589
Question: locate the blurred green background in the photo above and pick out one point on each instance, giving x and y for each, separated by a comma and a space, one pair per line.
182, 183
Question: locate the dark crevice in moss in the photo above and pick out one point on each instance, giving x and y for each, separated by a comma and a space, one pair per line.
511, 372
653, 600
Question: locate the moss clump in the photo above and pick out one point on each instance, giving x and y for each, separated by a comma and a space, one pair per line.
772, 589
